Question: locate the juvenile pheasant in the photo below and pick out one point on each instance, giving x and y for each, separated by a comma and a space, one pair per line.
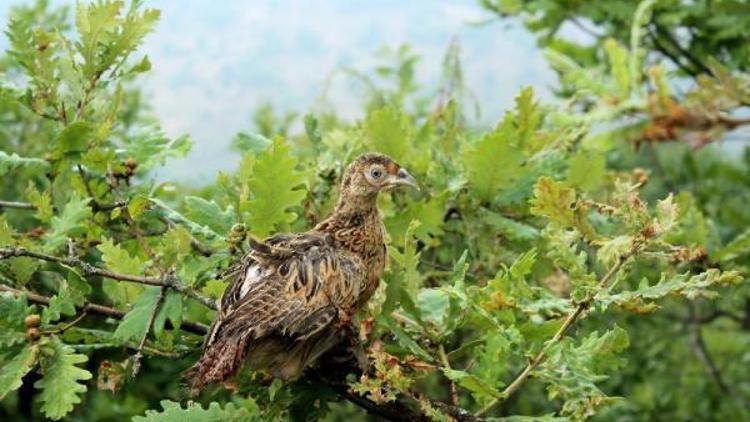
295, 293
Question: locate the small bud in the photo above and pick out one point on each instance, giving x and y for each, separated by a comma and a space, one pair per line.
32, 334
648, 231
32, 321
640, 175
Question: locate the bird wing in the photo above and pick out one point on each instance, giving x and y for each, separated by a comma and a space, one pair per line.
291, 284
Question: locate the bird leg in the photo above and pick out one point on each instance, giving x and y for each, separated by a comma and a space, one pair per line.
344, 318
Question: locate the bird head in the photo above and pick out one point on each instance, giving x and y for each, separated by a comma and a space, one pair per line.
372, 172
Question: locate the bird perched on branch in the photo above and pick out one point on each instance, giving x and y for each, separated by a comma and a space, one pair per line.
294, 294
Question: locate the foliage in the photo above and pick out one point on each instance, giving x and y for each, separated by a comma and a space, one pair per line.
569, 262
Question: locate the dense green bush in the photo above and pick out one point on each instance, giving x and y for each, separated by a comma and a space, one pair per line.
580, 259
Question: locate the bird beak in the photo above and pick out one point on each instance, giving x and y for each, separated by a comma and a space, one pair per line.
403, 178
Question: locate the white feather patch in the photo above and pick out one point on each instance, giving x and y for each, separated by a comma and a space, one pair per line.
253, 275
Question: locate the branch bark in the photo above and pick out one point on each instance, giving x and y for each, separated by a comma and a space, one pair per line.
168, 280
93, 308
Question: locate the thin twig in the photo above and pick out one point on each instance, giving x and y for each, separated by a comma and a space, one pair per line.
447, 364
93, 204
683, 51
93, 308
699, 348
85, 181
70, 324
90, 270
542, 354
151, 350
17, 205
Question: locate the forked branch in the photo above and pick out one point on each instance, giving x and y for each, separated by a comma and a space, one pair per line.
542, 354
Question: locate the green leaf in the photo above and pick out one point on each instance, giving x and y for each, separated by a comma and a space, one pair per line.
173, 412
119, 260
73, 139
434, 307
254, 143
471, 383
71, 222
209, 214
738, 247
554, 200
13, 162
215, 288
135, 323
404, 339
407, 261
71, 292
586, 170
429, 211
107, 35
12, 314
637, 31
618, 64
275, 187
667, 214
312, 130
23, 268
571, 372
558, 203
687, 285
60, 304
144, 65
6, 232
60, 378
12, 371
42, 201
170, 310
509, 228
494, 161
152, 147
175, 245
612, 250
527, 116
388, 130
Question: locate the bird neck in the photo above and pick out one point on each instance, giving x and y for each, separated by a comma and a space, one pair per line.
349, 204
355, 218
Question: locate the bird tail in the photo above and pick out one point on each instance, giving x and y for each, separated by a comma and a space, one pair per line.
220, 360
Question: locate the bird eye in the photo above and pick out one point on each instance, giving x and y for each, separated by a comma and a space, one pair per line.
376, 173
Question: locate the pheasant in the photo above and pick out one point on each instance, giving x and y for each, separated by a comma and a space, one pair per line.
294, 294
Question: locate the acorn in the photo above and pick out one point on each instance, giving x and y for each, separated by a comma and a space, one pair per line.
130, 163
32, 334
32, 321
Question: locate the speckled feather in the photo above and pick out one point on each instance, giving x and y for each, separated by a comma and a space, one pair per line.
292, 294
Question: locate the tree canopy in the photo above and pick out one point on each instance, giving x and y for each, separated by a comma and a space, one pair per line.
585, 257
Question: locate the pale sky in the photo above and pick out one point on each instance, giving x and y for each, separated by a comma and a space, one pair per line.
215, 61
